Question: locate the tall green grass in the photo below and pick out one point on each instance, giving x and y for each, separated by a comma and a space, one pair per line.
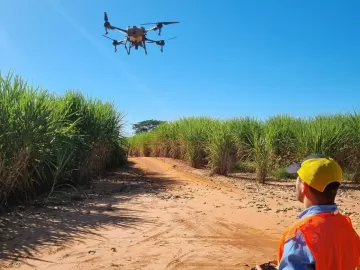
47, 141
270, 144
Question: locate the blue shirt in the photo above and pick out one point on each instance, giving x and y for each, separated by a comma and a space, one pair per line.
296, 254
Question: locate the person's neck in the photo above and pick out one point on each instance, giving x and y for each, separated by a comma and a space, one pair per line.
308, 203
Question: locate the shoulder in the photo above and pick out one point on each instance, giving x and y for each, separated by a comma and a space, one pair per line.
296, 254
296, 245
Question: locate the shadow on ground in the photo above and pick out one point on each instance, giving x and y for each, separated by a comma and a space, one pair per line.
251, 178
23, 231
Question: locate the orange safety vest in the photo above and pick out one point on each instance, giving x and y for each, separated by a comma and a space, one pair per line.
331, 239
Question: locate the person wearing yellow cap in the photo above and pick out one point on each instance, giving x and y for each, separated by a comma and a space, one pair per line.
322, 238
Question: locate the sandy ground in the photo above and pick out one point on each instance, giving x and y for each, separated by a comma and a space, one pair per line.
158, 214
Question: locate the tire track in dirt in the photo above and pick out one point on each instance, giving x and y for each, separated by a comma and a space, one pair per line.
205, 238
170, 170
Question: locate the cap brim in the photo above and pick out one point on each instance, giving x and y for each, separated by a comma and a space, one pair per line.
293, 168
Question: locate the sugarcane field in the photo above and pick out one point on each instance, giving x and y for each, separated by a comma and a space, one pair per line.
240, 153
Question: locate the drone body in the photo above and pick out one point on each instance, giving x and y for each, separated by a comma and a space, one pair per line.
135, 35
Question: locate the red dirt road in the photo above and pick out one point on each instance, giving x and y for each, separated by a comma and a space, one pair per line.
160, 214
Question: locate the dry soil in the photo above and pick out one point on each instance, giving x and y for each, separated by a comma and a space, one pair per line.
158, 214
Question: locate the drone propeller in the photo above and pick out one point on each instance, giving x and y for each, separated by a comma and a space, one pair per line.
106, 23
159, 25
161, 43
115, 42
171, 38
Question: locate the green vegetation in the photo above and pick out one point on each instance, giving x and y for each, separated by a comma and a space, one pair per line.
47, 141
225, 145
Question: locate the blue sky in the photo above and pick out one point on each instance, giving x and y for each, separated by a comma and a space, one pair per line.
231, 57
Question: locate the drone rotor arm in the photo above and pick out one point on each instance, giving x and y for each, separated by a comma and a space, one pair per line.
119, 29
107, 25
150, 40
160, 43
152, 29
116, 28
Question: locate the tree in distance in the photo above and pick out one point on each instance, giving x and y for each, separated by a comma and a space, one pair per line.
146, 125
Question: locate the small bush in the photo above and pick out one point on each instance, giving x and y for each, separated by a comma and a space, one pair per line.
280, 173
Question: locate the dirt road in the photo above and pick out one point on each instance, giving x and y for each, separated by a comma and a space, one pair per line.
159, 214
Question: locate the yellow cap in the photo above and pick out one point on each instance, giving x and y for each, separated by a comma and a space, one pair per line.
317, 171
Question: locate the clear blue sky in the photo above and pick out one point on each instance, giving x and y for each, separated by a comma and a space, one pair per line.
232, 57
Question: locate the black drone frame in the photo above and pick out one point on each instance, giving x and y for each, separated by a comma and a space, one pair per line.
124, 42
158, 26
161, 43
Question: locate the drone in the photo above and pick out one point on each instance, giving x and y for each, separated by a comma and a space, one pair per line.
136, 35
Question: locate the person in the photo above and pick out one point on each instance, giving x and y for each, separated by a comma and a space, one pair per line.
322, 238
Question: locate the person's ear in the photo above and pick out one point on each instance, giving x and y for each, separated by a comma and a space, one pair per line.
304, 188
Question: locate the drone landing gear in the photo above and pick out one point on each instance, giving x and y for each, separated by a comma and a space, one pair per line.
144, 45
126, 48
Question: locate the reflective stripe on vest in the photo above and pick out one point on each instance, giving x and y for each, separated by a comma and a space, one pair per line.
331, 239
